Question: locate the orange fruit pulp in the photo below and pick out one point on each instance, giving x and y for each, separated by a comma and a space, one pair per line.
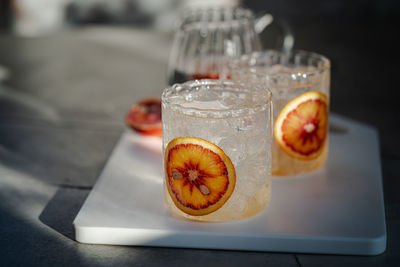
199, 177
301, 134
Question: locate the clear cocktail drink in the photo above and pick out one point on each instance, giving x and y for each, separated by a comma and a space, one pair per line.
299, 83
217, 149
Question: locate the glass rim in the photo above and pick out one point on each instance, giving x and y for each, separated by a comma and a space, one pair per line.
217, 113
238, 64
240, 16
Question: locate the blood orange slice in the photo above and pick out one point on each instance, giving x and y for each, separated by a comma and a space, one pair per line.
302, 126
145, 117
199, 176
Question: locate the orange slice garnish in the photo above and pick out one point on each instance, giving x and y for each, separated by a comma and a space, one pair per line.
199, 176
302, 126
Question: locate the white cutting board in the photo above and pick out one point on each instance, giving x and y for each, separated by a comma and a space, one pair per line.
337, 209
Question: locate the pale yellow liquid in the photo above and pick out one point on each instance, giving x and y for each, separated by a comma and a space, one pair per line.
284, 165
227, 212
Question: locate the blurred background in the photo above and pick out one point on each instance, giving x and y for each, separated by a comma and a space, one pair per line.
53, 48
71, 69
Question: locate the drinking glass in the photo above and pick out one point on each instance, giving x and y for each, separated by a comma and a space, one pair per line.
207, 39
299, 82
217, 149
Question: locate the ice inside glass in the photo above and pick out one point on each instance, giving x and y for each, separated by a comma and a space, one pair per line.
299, 82
217, 149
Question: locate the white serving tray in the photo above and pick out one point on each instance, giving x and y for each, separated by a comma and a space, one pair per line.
337, 209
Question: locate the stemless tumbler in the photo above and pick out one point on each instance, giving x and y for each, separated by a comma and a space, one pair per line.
299, 82
217, 149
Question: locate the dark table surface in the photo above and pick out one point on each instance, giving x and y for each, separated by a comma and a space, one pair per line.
61, 113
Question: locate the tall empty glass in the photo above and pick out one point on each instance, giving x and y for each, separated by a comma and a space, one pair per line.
299, 82
207, 39
217, 149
